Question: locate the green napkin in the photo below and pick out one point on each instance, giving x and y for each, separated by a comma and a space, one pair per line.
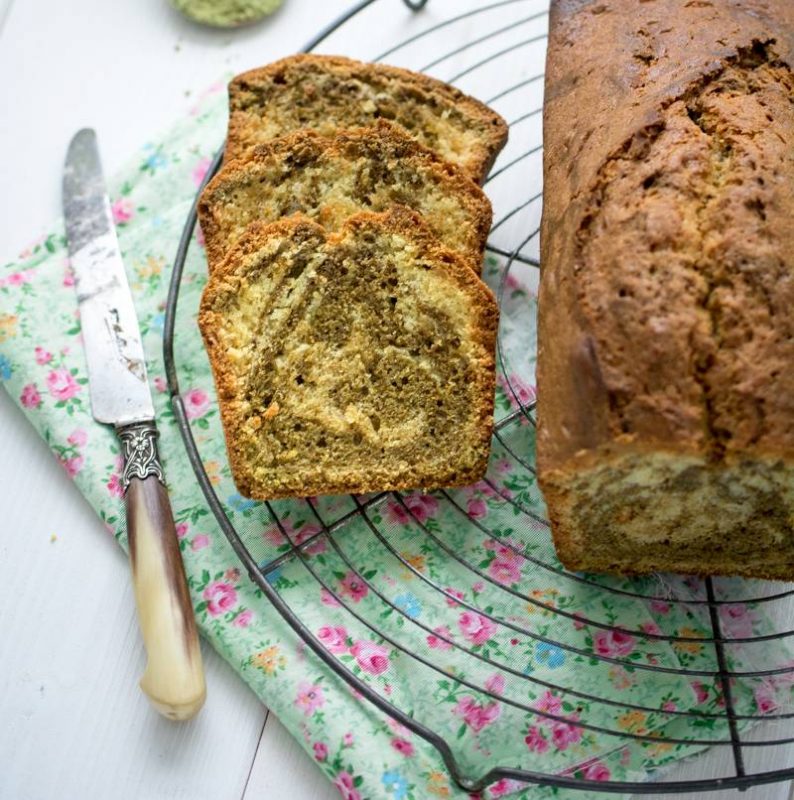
551, 625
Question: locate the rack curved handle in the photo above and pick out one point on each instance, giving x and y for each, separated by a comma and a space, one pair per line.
174, 675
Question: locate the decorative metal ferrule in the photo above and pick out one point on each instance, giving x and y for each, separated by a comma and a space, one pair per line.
139, 448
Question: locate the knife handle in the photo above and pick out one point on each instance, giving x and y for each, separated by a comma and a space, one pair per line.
174, 676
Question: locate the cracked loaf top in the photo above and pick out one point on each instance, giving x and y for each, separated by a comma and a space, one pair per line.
667, 291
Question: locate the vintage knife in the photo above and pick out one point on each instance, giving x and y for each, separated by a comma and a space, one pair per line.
120, 396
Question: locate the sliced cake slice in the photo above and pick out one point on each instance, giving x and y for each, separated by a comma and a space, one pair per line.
330, 178
355, 361
325, 93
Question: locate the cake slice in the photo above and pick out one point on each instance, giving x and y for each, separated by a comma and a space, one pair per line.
355, 361
325, 93
328, 179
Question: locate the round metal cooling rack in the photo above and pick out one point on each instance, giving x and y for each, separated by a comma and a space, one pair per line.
725, 642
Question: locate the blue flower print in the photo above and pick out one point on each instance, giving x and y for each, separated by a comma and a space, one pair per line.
155, 160
408, 604
5, 368
240, 503
553, 656
395, 783
158, 322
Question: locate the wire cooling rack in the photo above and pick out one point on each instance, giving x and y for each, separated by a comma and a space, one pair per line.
475, 606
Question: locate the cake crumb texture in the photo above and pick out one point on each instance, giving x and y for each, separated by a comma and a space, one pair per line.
331, 178
326, 93
352, 361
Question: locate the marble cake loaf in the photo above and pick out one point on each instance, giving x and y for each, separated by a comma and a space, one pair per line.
666, 388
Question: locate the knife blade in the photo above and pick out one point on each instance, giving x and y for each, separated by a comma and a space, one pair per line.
118, 387
120, 396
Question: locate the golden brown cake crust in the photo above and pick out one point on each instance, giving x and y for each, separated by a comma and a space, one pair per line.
384, 148
667, 291
250, 92
225, 283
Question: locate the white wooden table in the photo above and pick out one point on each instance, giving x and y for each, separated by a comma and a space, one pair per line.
72, 722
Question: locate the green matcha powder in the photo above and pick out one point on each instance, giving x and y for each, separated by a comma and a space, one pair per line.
226, 13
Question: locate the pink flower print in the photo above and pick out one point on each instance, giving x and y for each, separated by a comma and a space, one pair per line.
220, 597
512, 283
181, 530
68, 275
273, 535
578, 624
396, 512
563, 734
372, 658
122, 211
669, 705
42, 356
114, 486
475, 627
549, 703
765, 700
328, 599
701, 693
451, 602
476, 715
310, 697
200, 170
16, 279
518, 392
403, 746
347, 740
504, 787
597, 772
416, 508
438, 643
354, 587
30, 397
197, 402
344, 782
243, 619
334, 638
534, 740
660, 607
320, 751
737, 621
306, 532
316, 547
613, 643
73, 465
423, 506
199, 542
78, 437
496, 683
61, 384
159, 384
506, 571
650, 627
505, 551
477, 508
